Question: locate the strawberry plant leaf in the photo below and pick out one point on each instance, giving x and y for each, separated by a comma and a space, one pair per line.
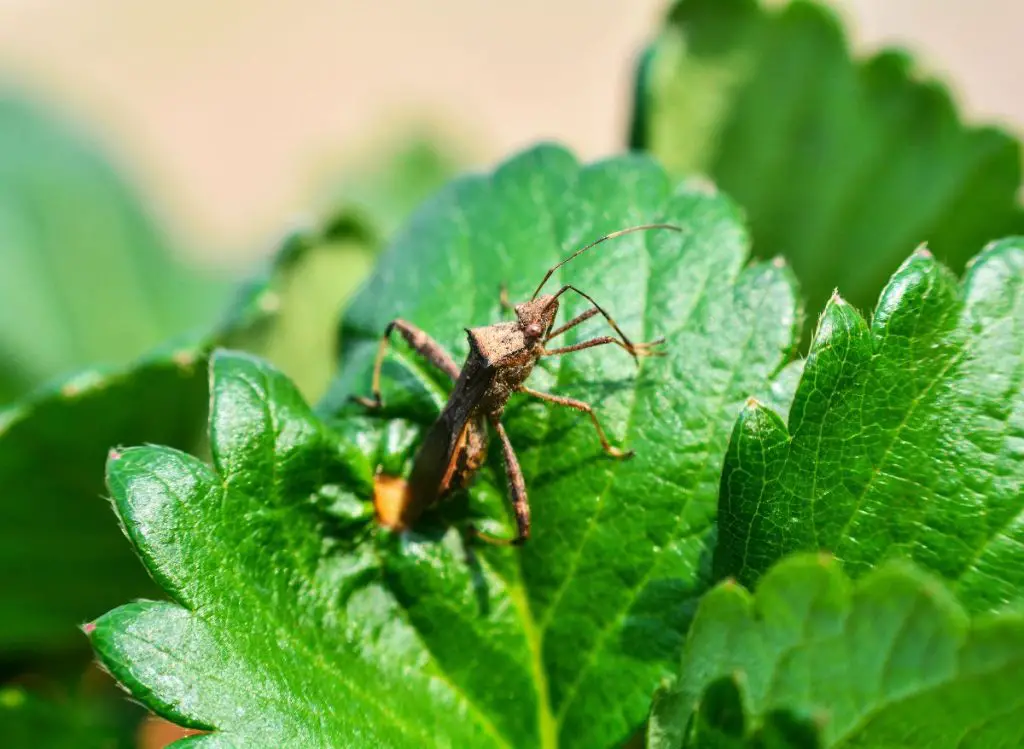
89, 277
611, 539
61, 558
69, 564
65, 722
814, 660
294, 306
14, 380
903, 438
278, 636
841, 164
278, 578
300, 295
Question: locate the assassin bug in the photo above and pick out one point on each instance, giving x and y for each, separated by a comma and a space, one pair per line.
501, 358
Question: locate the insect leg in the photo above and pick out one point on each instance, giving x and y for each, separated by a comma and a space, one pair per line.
638, 349
516, 489
572, 323
631, 347
587, 409
422, 343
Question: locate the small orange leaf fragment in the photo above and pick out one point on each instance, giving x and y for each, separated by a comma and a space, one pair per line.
391, 501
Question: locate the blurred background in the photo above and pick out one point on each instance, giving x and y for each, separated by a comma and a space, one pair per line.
152, 153
233, 114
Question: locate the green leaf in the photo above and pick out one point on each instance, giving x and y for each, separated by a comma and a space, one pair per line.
279, 637
88, 277
904, 437
292, 309
779, 395
13, 379
840, 164
70, 563
612, 541
557, 643
892, 661
301, 294
68, 722
62, 558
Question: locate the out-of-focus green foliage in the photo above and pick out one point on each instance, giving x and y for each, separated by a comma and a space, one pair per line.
69, 223
842, 165
61, 557
70, 721
87, 277
68, 562
294, 305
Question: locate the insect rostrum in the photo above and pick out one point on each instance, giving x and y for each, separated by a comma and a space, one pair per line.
501, 358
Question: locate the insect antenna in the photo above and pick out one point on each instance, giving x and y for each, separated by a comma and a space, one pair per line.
613, 235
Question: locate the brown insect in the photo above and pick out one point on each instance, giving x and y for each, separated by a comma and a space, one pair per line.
501, 358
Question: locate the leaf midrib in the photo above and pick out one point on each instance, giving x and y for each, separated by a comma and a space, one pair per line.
611, 625
546, 724
842, 538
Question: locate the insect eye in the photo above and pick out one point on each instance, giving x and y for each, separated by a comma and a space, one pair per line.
533, 330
